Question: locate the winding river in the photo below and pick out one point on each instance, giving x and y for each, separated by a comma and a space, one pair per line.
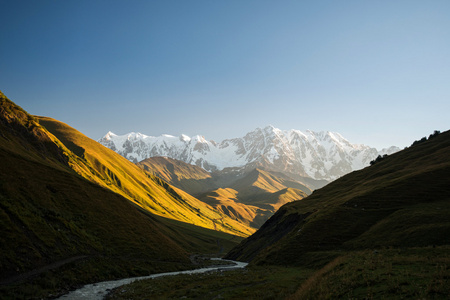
98, 291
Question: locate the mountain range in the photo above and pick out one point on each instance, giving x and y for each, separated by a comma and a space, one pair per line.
317, 155
402, 200
75, 212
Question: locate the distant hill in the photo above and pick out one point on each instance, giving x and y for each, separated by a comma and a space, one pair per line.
250, 198
190, 178
255, 197
402, 200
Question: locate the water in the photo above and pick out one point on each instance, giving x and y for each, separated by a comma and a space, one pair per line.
98, 291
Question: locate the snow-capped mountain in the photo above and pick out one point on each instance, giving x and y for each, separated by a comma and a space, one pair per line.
319, 155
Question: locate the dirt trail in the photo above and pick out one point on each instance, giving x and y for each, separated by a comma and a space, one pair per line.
35, 272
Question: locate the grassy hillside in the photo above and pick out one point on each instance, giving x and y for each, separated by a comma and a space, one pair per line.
409, 273
49, 214
250, 199
254, 198
189, 178
112, 171
59, 230
402, 200
259, 181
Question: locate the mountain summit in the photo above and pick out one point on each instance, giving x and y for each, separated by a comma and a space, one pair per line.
321, 155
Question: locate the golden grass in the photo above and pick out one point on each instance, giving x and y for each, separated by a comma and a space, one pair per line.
112, 171
49, 214
253, 199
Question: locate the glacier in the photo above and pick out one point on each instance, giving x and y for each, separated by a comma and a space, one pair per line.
320, 155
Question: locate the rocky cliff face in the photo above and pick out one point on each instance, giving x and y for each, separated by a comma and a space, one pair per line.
319, 155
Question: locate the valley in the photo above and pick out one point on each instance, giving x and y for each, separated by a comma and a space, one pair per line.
75, 212
268, 150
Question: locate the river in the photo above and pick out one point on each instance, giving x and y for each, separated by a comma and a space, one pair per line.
98, 291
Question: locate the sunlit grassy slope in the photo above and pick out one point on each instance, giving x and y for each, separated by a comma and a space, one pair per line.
48, 213
400, 201
110, 170
260, 181
58, 229
254, 198
191, 179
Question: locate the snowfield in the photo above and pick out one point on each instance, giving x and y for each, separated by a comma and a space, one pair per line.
319, 155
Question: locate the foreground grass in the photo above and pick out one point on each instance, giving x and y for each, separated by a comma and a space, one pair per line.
56, 282
252, 283
417, 273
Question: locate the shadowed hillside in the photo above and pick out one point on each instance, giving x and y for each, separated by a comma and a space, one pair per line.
402, 200
49, 214
59, 229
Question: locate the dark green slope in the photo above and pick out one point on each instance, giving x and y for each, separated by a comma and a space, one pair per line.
49, 213
59, 229
401, 201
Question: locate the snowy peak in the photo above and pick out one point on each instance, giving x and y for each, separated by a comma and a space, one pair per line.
319, 155
109, 135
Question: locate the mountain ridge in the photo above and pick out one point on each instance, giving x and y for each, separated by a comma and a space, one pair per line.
321, 155
400, 201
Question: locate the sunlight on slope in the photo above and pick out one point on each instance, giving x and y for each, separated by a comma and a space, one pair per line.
112, 171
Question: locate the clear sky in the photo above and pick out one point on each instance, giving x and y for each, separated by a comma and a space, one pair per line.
378, 72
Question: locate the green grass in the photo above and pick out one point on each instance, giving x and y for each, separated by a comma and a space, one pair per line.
408, 273
252, 283
92, 269
199, 240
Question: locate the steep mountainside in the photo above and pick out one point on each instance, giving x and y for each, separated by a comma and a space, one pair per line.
50, 214
402, 200
112, 171
59, 229
318, 155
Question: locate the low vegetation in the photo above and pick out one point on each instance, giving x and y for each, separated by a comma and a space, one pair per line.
251, 283
403, 273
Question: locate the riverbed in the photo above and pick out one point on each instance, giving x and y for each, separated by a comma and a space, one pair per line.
98, 291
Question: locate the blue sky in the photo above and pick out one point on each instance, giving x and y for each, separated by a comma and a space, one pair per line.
378, 72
